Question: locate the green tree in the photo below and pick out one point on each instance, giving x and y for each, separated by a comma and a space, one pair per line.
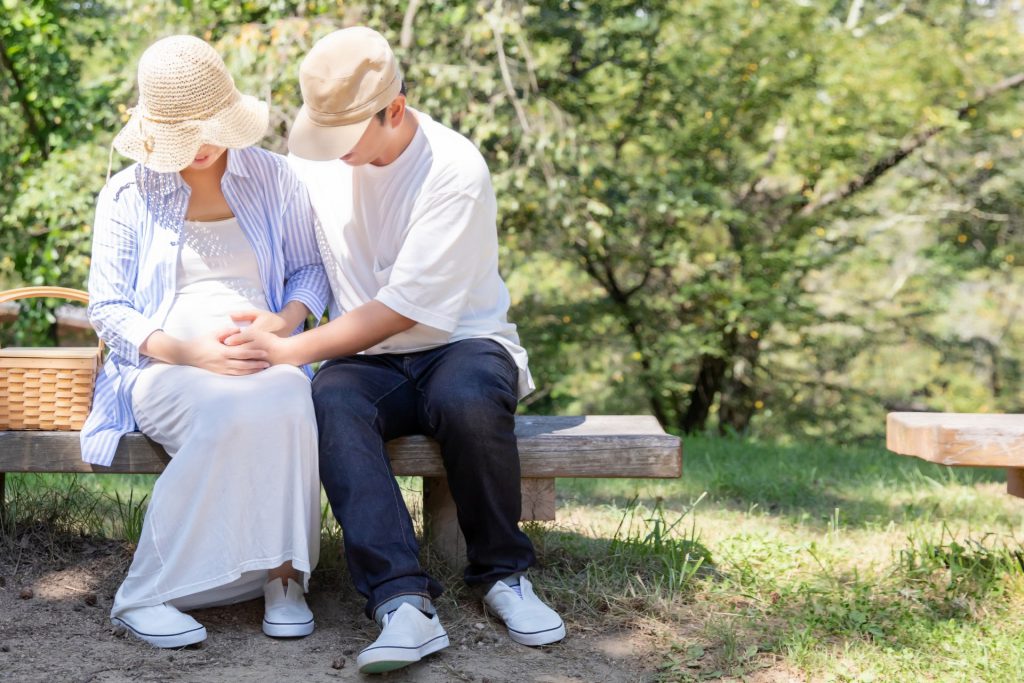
704, 150
782, 216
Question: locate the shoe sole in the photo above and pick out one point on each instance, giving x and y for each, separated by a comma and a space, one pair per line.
287, 630
534, 638
382, 659
538, 638
167, 641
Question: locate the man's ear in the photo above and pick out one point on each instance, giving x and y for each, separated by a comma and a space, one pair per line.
396, 111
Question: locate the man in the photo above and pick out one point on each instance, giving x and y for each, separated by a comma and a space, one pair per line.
419, 342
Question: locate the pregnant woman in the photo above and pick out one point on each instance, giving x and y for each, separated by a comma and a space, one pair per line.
202, 226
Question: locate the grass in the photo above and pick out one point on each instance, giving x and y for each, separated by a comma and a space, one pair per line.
810, 562
832, 564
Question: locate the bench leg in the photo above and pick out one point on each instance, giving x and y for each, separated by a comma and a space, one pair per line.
1015, 481
441, 522
538, 499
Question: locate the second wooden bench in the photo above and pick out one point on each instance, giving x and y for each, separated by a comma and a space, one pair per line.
962, 440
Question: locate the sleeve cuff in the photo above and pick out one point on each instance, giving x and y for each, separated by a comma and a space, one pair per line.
311, 291
307, 298
414, 312
137, 334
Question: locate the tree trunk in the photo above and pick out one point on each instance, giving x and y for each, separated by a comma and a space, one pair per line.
739, 387
705, 389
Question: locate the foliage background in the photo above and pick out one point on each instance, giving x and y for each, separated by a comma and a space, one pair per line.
781, 218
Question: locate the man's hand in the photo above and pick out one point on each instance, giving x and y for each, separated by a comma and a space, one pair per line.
209, 352
273, 347
357, 330
262, 321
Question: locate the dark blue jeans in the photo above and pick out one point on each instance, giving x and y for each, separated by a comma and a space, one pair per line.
462, 394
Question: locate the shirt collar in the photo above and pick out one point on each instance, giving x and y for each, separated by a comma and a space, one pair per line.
235, 164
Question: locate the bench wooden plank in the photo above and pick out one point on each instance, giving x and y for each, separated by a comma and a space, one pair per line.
977, 440
962, 440
586, 446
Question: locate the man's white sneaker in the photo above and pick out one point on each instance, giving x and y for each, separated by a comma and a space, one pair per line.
529, 621
407, 635
161, 625
285, 614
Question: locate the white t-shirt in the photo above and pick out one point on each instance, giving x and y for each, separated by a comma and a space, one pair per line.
420, 236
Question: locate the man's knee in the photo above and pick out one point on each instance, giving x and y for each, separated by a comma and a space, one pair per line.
475, 403
334, 396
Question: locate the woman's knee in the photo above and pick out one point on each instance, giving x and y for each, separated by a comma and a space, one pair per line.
286, 394
270, 398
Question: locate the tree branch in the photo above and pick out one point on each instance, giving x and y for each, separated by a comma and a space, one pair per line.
405, 39
906, 148
506, 75
524, 48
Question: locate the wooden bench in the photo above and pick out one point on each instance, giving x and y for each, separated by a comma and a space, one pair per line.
549, 447
962, 440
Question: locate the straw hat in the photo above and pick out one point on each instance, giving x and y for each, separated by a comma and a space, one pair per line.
187, 99
347, 77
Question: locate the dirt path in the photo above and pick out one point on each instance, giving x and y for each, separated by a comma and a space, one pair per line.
62, 633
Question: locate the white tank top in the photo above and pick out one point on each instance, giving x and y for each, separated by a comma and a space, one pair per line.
217, 275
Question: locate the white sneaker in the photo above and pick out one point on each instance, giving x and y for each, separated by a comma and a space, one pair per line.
285, 614
161, 625
529, 621
407, 635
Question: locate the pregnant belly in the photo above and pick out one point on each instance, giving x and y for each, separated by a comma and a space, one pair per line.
197, 313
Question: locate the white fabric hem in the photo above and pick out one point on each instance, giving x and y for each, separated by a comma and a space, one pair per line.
301, 566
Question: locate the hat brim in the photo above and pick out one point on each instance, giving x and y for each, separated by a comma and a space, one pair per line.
171, 147
310, 140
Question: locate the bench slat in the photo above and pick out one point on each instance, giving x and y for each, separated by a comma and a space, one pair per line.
962, 439
585, 446
978, 440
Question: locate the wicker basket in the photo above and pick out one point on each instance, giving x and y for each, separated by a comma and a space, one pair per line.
47, 388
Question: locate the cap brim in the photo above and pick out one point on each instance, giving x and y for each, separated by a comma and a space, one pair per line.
312, 141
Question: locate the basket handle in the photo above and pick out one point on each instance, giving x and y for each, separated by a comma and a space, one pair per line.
46, 293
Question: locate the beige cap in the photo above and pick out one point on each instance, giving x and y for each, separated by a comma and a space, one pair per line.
346, 78
187, 99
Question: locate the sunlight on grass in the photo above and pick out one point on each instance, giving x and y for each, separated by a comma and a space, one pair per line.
834, 563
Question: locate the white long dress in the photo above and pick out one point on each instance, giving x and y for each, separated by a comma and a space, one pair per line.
241, 493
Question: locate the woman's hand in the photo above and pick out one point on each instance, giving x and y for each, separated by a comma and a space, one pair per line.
276, 349
263, 321
209, 352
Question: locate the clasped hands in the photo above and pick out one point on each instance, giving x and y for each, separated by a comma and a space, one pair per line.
252, 346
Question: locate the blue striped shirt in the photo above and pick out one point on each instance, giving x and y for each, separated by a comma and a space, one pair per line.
136, 240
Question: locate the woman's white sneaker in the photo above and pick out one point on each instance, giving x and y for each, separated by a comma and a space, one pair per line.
161, 626
529, 621
285, 614
407, 635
